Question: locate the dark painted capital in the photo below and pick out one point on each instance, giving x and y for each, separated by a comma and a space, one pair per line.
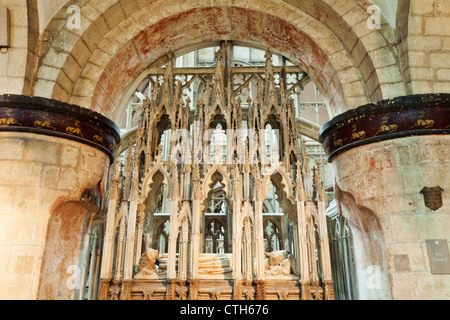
413, 115
49, 117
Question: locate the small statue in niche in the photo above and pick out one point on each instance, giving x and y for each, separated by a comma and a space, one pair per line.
147, 265
279, 263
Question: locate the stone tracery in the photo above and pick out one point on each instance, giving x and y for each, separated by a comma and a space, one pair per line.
238, 174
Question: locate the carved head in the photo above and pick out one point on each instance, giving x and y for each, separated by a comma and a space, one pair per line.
152, 254
275, 258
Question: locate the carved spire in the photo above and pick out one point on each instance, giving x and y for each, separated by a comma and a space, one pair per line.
168, 85
305, 159
244, 175
116, 180
155, 91
247, 159
299, 180
319, 184
130, 158
197, 182
160, 153
219, 85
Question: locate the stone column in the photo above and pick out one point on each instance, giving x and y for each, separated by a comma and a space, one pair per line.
195, 238
391, 162
173, 239
108, 243
139, 235
237, 241
303, 258
259, 239
247, 250
51, 152
120, 244
324, 243
130, 244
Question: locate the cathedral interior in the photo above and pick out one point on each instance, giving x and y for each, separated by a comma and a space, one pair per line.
224, 150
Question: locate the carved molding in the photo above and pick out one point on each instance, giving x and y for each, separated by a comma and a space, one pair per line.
400, 117
38, 115
189, 187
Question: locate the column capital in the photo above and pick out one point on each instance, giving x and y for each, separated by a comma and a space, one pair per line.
422, 114
19, 113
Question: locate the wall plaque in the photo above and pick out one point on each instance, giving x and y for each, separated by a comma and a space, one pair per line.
439, 256
432, 197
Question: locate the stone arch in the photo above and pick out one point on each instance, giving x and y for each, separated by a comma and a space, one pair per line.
422, 31
90, 259
348, 76
148, 181
208, 180
281, 183
401, 33
146, 39
247, 213
371, 260
68, 225
33, 39
121, 214
19, 62
185, 213
224, 223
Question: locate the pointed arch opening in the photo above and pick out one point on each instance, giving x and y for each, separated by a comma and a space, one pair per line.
216, 219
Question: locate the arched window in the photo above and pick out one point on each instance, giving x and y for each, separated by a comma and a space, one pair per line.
272, 142
162, 236
215, 236
217, 221
218, 145
91, 276
273, 240
164, 132
274, 222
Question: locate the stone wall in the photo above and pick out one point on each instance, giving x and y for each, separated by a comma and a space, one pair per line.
17, 65
428, 47
370, 64
96, 67
386, 179
76, 65
37, 174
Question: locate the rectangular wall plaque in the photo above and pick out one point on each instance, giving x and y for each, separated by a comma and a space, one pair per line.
439, 256
5, 28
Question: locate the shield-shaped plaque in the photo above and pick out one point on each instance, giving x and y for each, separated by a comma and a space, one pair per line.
432, 197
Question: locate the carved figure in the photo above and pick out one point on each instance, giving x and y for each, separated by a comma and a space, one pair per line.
147, 265
215, 265
277, 264
181, 292
215, 294
283, 295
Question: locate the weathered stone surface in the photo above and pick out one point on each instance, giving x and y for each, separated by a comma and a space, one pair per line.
96, 65
30, 188
389, 183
